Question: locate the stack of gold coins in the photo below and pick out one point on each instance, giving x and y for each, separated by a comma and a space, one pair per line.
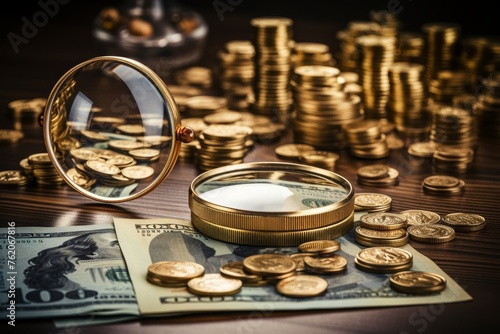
173, 273
14, 178
236, 72
464, 221
417, 282
195, 76
372, 202
366, 139
382, 229
320, 257
319, 247
452, 160
43, 170
378, 175
407, 97
443, 185
309, 53
197, 124
440, 43
376, 55
410, 47
347, 42
27, 108
271, 89
453, 126
486, 110
383, 259
202, 105
223, 117
272, 267
322, 107
431, 233
221, 145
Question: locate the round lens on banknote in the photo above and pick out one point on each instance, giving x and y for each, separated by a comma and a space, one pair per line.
106, 107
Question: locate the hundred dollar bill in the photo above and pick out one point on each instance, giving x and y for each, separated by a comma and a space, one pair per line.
63, 271
145, 241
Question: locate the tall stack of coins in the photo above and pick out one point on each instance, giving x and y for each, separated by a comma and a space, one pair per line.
236, 72
441, 43
322, 107
347, 42
271, 90
221, 145
407, 97
375, 56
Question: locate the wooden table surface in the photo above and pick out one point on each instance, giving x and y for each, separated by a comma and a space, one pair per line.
472, 259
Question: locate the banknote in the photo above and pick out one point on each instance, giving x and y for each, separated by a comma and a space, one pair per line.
63, 271
145, 241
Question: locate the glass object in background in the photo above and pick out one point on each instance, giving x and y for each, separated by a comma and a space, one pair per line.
162, 34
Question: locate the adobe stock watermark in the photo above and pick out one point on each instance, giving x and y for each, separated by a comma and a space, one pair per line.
31, 26
222, 6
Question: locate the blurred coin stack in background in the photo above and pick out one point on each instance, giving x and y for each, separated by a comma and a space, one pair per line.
375, 56
271, 90
487, 109
407, 98
235, 72
410, 47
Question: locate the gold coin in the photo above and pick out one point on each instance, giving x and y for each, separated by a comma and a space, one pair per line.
325, 265
383, 221
13, 177
431, 233
299, 259
420, 217
422, 149
138, 172
83, 154
222, 117
320, 246
464, 222
144, 153
369, 233
381, 269
375, 171
372, 201
102, 168
175, 270
269, 264
302, 286
214, 285
441, 181
94, 136
126, 145
131, 129
417, 282
384, 256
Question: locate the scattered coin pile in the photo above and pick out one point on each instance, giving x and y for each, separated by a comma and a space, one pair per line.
443, 185
378, 175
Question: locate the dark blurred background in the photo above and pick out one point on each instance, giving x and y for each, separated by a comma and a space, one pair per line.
314, 21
